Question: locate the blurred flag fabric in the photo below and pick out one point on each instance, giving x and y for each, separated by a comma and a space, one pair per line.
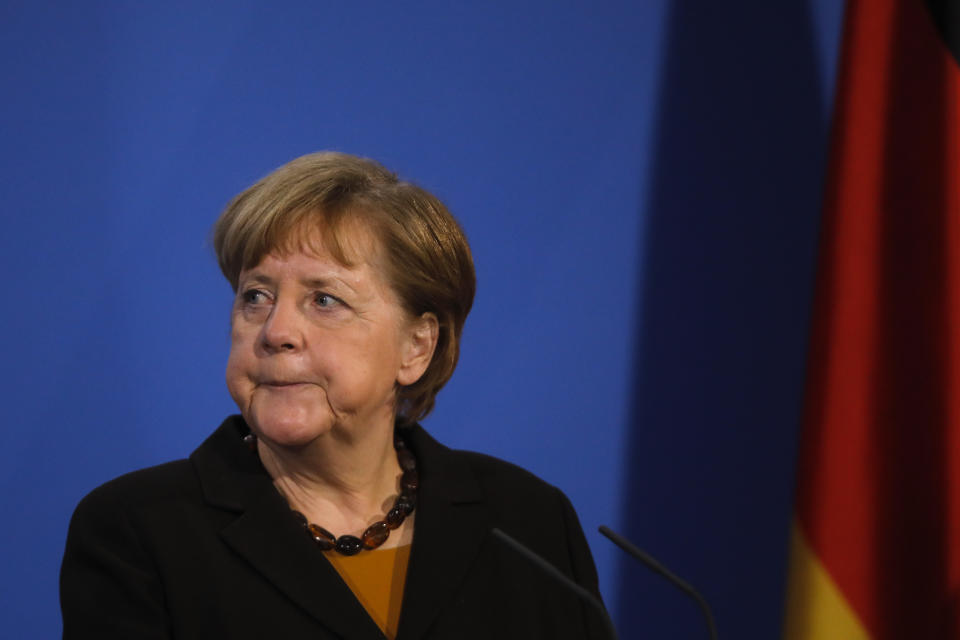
875, 547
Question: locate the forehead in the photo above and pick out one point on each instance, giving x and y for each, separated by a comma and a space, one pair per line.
350, 254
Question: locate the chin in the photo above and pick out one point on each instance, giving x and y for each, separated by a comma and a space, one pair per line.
286, 428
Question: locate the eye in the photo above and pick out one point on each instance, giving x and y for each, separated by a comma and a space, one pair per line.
254, 296
326, 301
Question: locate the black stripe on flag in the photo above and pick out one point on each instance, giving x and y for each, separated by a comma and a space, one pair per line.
946, 15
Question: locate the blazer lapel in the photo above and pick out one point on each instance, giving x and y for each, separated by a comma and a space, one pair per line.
269, 538
451, 524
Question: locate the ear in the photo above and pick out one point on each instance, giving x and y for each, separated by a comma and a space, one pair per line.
421, 341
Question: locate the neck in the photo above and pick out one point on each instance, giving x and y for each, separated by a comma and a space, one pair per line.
344, 482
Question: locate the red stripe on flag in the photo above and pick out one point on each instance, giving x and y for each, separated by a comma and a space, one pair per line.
878, 485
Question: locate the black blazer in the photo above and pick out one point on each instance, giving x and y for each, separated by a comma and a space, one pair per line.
207, 548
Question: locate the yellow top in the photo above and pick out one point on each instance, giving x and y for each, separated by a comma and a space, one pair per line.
376, 578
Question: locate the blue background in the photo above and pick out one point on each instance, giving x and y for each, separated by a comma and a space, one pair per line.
640, 182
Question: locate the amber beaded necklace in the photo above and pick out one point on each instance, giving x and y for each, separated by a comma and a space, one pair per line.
377, 533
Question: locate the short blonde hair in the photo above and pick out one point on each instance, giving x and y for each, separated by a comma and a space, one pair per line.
425, 254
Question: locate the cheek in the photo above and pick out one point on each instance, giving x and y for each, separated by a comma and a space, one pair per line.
237, 372
383, 360
235, 381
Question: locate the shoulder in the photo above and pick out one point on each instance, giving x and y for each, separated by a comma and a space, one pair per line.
498, 476
488, 471
518, 500
171, 483
120, 542
512, 499
156, 481
139, 491
507, 489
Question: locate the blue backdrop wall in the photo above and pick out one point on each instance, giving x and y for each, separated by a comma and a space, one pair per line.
640, 183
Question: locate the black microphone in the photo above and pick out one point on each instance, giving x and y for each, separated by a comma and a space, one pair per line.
656, 567
557, 575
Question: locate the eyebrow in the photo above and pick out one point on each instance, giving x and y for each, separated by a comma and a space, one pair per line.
320, 283
313, 283
259, 278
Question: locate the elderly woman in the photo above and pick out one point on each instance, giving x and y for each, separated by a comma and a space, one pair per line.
324, 510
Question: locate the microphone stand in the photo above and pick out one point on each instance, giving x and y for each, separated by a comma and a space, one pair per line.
555, 573
656, 567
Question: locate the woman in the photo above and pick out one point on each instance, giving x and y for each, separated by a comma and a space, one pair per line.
324, 510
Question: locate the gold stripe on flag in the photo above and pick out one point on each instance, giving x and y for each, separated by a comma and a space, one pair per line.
816, 610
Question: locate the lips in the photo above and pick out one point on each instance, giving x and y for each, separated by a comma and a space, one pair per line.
283, 384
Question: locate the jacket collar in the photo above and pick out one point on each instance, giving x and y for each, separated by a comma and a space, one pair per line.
451, 523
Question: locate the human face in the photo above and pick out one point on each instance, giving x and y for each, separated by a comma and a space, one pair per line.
318, 346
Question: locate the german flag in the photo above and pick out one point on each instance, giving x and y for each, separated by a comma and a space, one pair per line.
875, 550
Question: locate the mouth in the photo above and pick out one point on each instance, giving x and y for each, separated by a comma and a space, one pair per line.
282, 384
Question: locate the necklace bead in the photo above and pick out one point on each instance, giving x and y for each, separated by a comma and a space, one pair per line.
324, 539
348, 545
377, 533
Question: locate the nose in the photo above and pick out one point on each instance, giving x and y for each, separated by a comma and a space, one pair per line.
283, 330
